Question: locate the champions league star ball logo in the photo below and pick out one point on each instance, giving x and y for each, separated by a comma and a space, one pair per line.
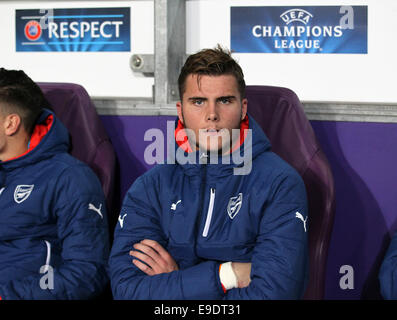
33, 30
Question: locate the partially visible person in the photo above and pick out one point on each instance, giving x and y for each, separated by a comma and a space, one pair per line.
388, 272
54, 241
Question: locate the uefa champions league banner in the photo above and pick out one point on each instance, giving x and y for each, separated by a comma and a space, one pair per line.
307, 29
85, 29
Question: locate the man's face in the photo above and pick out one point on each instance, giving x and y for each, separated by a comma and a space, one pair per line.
211, 108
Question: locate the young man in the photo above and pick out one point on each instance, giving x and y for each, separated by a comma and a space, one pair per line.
54, 241
196, 229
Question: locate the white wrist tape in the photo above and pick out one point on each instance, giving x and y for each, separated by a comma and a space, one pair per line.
227, 276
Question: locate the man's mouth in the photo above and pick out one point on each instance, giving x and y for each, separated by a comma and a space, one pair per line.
213, 131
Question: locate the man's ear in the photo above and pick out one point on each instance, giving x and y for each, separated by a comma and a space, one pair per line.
179, 111
12, 124
244, 107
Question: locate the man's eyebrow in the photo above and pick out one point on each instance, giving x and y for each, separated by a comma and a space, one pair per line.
197, 98
226, 97
219, 98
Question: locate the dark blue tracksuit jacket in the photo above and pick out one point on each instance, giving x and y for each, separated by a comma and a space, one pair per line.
47, 218
204, 215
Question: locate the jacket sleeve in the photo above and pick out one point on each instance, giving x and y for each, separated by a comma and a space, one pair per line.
280, 257
388, 272
138, 221
83, 236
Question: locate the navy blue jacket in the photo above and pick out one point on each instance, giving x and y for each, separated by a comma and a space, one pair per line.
52, 219
204, 215
388, 271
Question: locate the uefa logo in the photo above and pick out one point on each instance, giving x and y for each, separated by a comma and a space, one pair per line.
298, 15
33, 30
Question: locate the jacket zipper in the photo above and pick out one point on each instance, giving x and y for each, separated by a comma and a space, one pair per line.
209, 213
48, 258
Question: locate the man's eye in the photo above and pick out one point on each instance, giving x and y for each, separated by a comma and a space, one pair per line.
198, 102
225, 101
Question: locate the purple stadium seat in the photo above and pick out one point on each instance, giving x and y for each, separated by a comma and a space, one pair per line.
280, 114
89, 141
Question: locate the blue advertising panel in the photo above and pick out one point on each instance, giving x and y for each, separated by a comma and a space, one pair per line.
85, 29
306, 29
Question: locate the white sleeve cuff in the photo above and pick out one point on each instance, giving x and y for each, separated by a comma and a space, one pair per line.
227, 276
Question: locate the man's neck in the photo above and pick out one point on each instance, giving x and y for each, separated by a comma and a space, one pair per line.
16, 146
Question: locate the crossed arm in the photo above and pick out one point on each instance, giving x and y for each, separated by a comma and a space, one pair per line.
139, 269
157, 260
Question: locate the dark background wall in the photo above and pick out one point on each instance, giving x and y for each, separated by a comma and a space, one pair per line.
363, 160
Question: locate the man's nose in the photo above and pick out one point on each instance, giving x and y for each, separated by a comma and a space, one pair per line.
212, 112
